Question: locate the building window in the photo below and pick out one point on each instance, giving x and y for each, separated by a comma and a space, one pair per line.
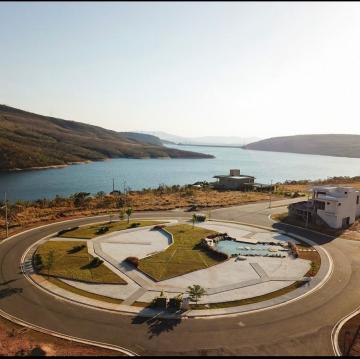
319, 205
327, 203
357, 199
339, 204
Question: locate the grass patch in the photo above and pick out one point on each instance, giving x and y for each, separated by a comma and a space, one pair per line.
245, 301
279, 216
92, 231
183, 256
72, 261
315, 259
83, 293
90, 295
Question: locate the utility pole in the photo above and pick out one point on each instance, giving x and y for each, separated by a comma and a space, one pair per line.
124, 184
113, 185
270, 194
307, 213
6, 218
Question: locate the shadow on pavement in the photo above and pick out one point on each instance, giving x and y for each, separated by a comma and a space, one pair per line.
317, 238
156, 325
7, 292
8, 281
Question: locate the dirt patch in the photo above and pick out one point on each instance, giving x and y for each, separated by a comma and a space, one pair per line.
19, 341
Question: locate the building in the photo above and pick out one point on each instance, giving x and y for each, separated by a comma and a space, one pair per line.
240, 182
234, 181
338, 207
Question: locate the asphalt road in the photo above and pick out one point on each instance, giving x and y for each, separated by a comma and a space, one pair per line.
299, 328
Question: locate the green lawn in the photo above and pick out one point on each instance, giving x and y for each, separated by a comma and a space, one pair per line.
75, 265
89, 232
183, 256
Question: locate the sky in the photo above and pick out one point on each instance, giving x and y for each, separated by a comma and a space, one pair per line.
191, 69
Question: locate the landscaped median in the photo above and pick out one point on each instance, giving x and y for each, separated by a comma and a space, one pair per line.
89, 232
71, 260
185, 255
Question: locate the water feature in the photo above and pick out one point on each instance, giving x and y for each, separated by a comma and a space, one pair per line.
243, 248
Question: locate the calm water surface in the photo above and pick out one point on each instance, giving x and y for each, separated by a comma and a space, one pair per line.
97, 176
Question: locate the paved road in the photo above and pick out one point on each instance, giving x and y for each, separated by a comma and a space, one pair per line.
300, 328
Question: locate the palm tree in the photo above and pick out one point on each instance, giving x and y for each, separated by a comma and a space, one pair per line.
196, 292
128, 212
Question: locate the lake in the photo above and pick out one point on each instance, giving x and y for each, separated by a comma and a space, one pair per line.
97, 176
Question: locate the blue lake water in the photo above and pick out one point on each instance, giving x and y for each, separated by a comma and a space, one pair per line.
97, 176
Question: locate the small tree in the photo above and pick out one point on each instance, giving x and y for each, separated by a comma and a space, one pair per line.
193, 219
50, 258
121, 215
129, 212
196, 292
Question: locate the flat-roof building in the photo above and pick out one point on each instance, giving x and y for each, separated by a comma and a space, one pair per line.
338, 207
237, 181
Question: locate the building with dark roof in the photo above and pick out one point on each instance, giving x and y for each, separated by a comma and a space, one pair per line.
237, 181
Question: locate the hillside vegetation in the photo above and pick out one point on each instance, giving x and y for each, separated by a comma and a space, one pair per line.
328, 145
29, 140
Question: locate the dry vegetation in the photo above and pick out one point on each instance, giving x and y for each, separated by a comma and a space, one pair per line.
27, 214
305, 186
19, 341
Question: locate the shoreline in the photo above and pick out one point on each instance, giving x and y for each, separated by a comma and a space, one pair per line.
34, 168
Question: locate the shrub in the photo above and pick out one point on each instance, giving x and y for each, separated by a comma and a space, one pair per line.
215, 254
102, 230
133, 260
76, 249
96, 262
200, 218
159, 302
134, 225
158, 227
67, 230
175, 303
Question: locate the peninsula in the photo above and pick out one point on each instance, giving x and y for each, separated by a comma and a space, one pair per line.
29, 141
339, 145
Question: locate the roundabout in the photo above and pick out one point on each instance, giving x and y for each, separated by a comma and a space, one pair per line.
260, 280
299, 325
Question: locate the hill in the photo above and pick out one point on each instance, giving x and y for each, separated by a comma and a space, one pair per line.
204, 140
339, 145
30, 140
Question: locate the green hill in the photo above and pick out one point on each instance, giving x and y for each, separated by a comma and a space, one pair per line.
29, 140
328, 145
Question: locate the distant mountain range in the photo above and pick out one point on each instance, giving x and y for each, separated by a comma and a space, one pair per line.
339, 145
204, 140
29, 140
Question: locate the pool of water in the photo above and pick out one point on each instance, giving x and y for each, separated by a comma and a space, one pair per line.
242, 248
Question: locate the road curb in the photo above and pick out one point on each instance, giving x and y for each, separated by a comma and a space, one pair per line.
336, 330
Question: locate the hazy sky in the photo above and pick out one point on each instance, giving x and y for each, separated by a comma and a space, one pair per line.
192, 69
